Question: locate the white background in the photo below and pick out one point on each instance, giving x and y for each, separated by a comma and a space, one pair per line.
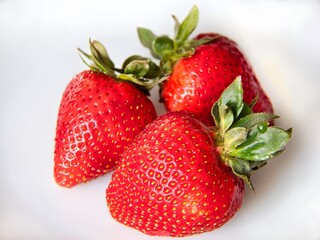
38, 57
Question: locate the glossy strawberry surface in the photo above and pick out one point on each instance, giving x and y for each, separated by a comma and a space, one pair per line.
171, 181
197, 81
98, 118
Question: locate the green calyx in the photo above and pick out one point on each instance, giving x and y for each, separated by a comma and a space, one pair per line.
168, 50
246, 140
140, 71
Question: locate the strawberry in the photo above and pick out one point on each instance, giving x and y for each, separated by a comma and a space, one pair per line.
198, 70
98, 117
180, 177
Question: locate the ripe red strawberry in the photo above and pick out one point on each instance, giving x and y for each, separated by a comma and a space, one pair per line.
200, 69
99, 116
180, 177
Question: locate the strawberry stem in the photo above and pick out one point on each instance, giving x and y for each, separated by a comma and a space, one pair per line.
140, 71
246, 139
171, 50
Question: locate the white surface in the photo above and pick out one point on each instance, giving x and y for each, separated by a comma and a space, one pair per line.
38, 41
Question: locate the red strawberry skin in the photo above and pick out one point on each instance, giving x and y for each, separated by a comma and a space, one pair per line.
98, 117
197, 81
171, 181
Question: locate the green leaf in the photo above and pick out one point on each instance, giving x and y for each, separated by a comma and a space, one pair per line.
168, 50
226, 118
263, 146
246, 110
102, 67
229, 106
100, 53
176, 24
202, 41
163, 46
92, 67
251, 137
234, 137
99, 58
138, 68
85, 54
130, 59
130, 78
215, 114
154, 70
188, 25
147, 37
245, 139
252, 119
144, 84
232, 97
242, 169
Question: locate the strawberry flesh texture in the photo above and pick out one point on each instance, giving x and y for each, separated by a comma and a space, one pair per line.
171, 181
198, 81
98, 117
